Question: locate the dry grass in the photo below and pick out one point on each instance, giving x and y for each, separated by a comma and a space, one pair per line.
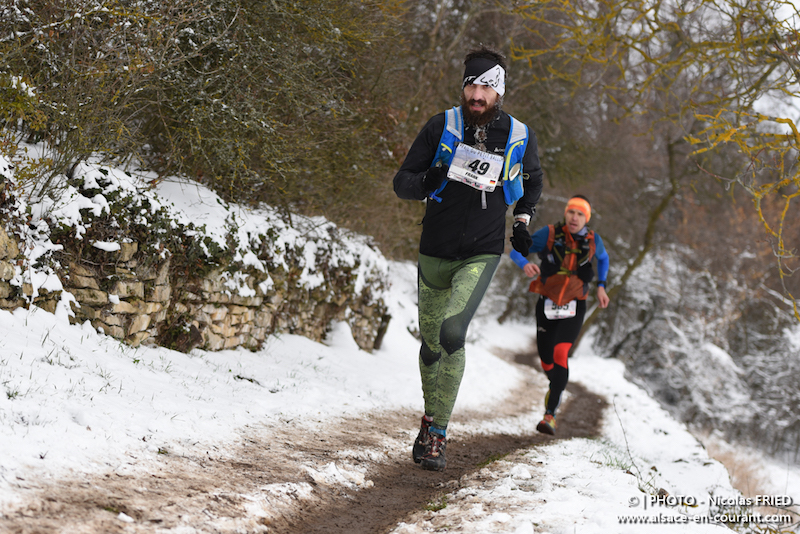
745, 470
748, 476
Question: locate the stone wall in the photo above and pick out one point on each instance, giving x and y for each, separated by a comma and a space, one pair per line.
140, 299
9, 255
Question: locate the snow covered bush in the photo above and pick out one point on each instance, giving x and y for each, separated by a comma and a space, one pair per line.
170, 262
718, 354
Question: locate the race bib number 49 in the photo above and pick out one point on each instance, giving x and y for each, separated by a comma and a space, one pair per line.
476, 168
553, 311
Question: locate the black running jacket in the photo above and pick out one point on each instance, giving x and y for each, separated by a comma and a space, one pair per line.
460, 227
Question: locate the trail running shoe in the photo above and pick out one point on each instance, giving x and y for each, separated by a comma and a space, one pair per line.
547, 425
433, 458
422, 440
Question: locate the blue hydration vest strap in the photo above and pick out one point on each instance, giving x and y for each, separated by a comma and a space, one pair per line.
515, 149
453, 133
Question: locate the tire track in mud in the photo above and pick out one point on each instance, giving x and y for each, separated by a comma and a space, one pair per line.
213, 493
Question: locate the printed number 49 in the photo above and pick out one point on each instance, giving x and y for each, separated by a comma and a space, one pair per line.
479, 167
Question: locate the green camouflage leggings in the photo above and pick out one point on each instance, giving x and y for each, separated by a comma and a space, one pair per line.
449, 293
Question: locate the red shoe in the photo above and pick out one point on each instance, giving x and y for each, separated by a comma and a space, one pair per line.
547, 425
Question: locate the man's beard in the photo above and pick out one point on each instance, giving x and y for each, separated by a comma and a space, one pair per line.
480, 119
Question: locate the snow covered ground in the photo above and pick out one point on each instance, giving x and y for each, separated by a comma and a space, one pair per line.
76, 401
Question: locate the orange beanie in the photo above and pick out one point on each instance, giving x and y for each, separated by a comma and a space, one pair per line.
580, 205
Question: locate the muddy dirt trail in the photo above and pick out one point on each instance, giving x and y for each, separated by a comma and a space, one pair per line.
401, 487
223, 492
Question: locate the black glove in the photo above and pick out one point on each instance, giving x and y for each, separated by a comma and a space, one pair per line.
434, 177
521, 240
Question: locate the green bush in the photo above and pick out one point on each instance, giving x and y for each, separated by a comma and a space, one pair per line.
262, 101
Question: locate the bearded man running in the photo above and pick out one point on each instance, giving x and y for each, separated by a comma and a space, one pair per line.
469, 164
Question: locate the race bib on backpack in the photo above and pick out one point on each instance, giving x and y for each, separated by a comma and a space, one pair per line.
476, 168
553, 311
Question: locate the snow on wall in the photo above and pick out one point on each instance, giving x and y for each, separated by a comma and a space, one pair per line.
305, 269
